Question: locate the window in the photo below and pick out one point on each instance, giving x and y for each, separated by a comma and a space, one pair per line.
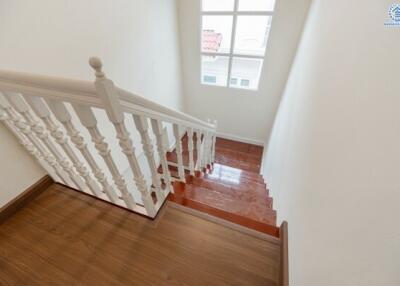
233, 41
215, 67
244, 82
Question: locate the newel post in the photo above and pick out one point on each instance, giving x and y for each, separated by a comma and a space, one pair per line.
106, 91
109, 96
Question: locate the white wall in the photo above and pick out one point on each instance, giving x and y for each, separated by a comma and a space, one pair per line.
241, 113
18, 170
333, 160
137, 41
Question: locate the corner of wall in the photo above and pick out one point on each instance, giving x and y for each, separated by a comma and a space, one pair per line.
18, 170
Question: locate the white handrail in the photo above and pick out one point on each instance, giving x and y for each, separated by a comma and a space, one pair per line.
71, 90
84, 92
161, 110
33, 106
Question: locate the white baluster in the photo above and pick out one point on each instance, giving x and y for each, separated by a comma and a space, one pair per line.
210, 144
212, 148
127, 148
88, 120
143, 127
24, 128
58, 134
214, 142
199, 151
63, 115
207, 147
204, 149
178, 150
27, 145
107, 93
190, 148
19, 104
156, 126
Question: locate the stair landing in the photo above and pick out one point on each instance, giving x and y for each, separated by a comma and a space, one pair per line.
64, 237
231, 189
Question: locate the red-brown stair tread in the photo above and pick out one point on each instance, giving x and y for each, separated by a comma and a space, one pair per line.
243, 194
256, 210
240, 220
235, 175
231, 189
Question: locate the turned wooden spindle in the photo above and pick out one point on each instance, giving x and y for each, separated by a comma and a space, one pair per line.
23, 127
109, 96
63, 115
190, 149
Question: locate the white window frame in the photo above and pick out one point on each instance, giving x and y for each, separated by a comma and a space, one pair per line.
235, 13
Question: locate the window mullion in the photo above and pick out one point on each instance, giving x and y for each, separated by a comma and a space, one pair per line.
232, 43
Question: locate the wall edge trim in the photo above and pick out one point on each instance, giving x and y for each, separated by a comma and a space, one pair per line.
240, 139
19, 202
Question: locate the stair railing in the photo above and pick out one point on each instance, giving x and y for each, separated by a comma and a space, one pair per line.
55, 119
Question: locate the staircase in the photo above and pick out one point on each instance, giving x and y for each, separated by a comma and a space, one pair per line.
81, 133
231, 188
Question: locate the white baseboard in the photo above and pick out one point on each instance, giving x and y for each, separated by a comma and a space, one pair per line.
240, 139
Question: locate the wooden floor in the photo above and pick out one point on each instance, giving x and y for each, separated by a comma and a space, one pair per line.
66, 238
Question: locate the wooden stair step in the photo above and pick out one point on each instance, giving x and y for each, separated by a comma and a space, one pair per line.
242, 193
243, 183
206, 182
239, 156
249, 192
231, 189
256, 211
239, 146
246, 166
240, 174
237, 219
234, 181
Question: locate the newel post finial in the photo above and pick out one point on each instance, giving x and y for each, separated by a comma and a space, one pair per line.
96, 64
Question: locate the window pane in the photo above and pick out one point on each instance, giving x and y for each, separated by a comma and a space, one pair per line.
214, 70
244, 82
210, 79
256, 5
234, 81
245, 72
216, 36
218, 5
252, 35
